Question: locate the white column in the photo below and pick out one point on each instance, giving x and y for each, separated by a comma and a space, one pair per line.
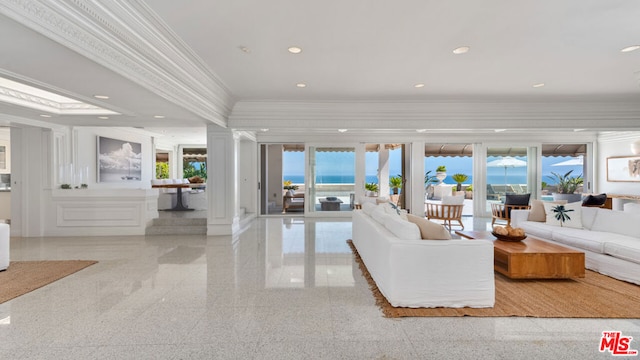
222, 160
383, 171
416, 202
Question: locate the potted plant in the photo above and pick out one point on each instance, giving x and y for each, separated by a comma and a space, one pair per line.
468, 192
288, 185
543, 186
567, 186
441, 173
459, 179
395, 182
372, 189
429, 180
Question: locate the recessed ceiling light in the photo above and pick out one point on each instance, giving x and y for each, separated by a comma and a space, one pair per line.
342, 130
245, 49
294, 50
264, 130
421, 130
301, 85
499, 130
102, 97
461, 50
45, 115
103, 117
630, 48
418, 86
158, 116
578, 130
538, 85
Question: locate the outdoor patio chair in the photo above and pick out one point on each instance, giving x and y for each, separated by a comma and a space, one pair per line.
291, 201
502, 212
449, 210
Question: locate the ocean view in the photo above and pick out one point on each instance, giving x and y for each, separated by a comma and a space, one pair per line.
339, 165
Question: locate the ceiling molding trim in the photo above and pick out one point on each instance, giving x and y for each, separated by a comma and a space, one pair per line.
591, 115
129, 39
618, 136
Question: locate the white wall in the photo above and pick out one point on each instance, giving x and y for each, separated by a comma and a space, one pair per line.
618, 144
248, 176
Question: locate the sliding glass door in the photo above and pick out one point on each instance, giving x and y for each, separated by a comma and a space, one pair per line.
331, 179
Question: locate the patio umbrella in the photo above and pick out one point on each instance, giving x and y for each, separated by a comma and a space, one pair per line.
576, 161
506, 162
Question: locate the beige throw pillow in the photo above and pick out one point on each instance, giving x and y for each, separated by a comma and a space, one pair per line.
428, 229
538, 213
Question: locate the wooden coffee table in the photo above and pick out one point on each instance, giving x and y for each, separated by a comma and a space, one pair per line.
532, 258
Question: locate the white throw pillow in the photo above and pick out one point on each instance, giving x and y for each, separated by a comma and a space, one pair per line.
574, 215
453, 200
537, 212
404, 230
368, 207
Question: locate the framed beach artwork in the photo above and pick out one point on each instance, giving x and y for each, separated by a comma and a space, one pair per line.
623, 168
119, 160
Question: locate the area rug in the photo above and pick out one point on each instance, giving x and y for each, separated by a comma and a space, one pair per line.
25, 276
594, 296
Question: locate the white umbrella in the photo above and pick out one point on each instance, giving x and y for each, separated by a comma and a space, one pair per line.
506, 162
576, 161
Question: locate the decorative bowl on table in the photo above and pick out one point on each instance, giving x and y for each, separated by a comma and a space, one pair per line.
507, 233
508, 238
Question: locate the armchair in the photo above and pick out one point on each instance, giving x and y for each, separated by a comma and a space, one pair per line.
512, 202
291, 201
446, 213
449, 210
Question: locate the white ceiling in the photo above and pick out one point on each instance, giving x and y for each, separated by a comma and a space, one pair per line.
356, 50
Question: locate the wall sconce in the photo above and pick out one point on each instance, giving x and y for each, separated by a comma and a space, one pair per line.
635, 147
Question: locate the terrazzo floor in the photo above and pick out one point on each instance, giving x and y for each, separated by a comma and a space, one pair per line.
285, 288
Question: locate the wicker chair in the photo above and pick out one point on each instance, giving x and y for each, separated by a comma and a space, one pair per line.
446, 213
502, 212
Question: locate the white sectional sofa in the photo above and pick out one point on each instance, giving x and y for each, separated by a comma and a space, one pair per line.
4, 246
411, 272
610, 239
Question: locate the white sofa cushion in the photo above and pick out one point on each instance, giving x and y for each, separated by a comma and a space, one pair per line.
631, 207
537, 229
378, 214
574, 215
583, 239
617, 222
368, 207
453, 200
429, 230
402, 229
624, 247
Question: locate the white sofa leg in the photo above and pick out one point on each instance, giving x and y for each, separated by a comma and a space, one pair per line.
4, 246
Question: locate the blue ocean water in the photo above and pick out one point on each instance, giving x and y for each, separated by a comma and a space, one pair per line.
346, 179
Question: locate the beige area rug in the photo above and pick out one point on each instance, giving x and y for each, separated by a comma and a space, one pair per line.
25, 276
594, 296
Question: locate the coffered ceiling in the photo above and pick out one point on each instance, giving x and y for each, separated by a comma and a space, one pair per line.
189, 63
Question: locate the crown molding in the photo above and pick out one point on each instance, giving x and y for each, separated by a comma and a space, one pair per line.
462, 115
127, 37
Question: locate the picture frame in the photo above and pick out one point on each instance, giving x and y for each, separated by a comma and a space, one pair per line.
118, 160
623, 169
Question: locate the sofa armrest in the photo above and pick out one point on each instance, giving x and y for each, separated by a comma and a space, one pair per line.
519, 216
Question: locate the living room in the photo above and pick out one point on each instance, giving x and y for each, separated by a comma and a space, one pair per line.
247, 74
